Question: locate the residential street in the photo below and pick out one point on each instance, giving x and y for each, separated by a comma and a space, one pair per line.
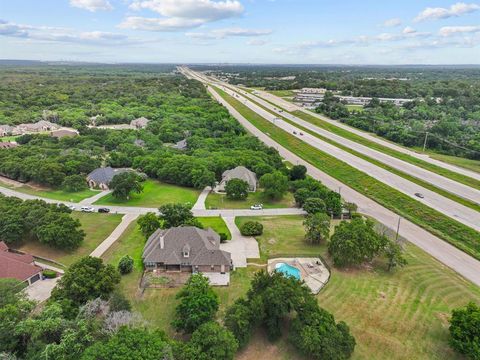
449, 255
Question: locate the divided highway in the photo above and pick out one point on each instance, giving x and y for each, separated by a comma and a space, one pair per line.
456, 211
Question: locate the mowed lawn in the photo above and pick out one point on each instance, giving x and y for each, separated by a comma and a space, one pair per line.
220, 201
398, 315
216, 223
155, 194
158, 305
97, 228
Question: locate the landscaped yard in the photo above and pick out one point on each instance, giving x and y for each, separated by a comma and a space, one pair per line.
97, 228
220, 201
155, 194
216, 223
54, 194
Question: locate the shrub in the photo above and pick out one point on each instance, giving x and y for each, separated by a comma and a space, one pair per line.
49, 274
118, 302
314, 205
251, 228
125, 265
223, 237
465, 330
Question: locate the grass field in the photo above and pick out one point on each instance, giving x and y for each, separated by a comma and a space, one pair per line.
352, 108
54, 194
217, 224
282, 93
8, 138
97, 228
469, 164
155, 194
438, 224
220, 201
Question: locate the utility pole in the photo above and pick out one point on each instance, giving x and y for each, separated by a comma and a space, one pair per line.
398, 229
425, 142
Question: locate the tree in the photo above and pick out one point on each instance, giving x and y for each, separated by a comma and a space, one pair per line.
275, 185
298, 172
125, 183
148, 223
176, 215
74, 183
355, 242
251, 228
60, 230
334, 203
125, 265
317, 228
465, 330
317, 336
301, 195
314, 205
394, 254
239, 319
198, 304
237, 189
131, 344
84, 280
118, 302
350, 207
211, 342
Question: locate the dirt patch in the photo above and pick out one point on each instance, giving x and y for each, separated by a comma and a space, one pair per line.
272, 241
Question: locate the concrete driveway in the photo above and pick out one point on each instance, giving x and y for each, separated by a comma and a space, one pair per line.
240, 247
41, 290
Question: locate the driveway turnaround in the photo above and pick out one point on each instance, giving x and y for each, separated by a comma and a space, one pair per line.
240, 247
449, 255
41, 289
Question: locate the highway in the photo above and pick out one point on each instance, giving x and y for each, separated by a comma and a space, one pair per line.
449, 255
453, 209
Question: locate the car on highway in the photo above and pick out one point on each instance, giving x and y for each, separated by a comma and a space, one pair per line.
294, 133
256, 207
103, 210
419, 195
89, 209
301, 134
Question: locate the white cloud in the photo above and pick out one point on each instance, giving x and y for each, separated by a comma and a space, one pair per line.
181, 14
455, 10
92, 5
454, 30
256, 42
223, 33
409, 30
392, 22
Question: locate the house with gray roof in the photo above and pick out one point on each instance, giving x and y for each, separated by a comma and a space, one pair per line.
240, 172
188, 249
181, 145
140, 123
100, 178
5, 130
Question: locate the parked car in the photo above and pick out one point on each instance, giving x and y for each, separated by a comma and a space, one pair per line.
256, 207
89, 209
103, 210
419, 195
71, 207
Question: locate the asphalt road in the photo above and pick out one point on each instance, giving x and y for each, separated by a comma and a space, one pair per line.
449, 255
453, 209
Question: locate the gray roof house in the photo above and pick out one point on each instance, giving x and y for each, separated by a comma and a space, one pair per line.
240, 172
181, 145
101, 177
140, 123
5, 130
188, 249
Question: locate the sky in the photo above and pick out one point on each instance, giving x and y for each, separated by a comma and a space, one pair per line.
242, 31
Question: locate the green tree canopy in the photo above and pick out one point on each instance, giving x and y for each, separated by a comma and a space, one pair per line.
465, 330
275, 185
314, 205
148, 223
317, 228
177, 215
125, 183
237, 189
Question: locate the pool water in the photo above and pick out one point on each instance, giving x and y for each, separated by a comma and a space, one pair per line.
288, 270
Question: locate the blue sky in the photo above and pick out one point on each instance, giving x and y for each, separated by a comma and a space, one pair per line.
242, 31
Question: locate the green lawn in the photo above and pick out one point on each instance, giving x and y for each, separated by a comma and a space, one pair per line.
216, 223
358, 108
398, 315
8, 138
437, 223
282, 93
220, 201
155, 194
469, 164
97, 228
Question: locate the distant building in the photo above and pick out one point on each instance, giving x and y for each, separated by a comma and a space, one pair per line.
101, 177
18, 266
61, 133
240, 172
181, 145
139, 123
5, 130
39, 126
188, 249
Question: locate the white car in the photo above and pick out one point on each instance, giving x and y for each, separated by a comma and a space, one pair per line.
256, 207
71, 207
89, 209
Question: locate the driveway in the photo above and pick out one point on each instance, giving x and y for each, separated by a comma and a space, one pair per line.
240, 247
200, 203
40, 290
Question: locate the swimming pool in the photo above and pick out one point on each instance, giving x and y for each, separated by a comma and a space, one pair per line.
288, 270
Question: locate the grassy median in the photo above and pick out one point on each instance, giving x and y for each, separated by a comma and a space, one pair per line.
435, 222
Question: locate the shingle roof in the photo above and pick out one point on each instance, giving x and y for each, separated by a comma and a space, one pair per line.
181, 145
104, 175
16, 266
140, 122
166, 246
241, 172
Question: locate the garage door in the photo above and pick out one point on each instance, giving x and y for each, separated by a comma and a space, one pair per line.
34, 278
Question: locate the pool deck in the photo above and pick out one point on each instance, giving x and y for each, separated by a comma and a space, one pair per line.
313, 272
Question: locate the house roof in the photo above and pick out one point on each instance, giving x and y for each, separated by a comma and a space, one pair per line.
104, 175
240, 172
16, 266
167, 246
140, 122
6, 128
181, 145
64, 133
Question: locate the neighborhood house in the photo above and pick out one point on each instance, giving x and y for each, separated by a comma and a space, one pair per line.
140, 123
240, 172
188, 249
18, 266
39, 126
100, 178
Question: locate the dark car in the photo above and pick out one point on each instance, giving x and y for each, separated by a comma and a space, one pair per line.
419, 195
103, 210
